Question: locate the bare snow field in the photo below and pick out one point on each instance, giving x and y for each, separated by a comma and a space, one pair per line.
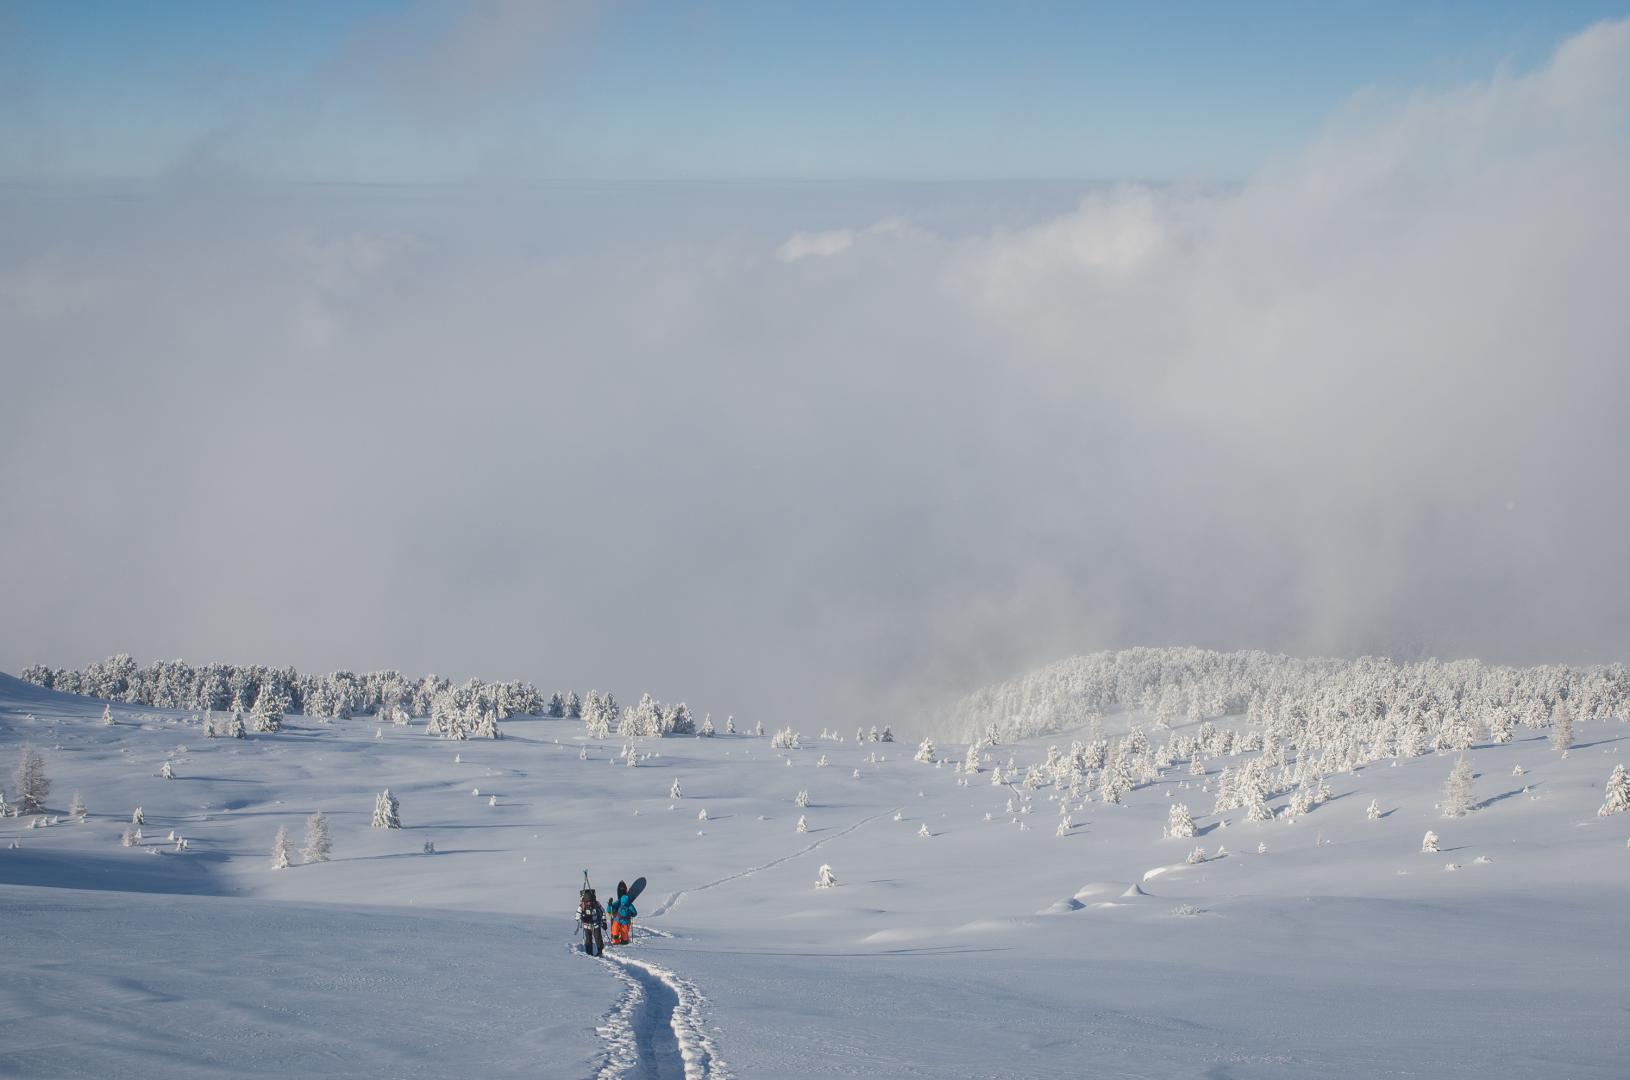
973, 929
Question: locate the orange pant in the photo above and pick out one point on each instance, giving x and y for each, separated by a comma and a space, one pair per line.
619, 933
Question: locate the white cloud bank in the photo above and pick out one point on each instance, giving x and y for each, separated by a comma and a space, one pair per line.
734, 446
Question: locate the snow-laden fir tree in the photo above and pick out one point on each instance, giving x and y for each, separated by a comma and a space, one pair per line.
167, 770
137, 817
803, 823
29, 781
802, 799
706, 730
76, 808
701, 815
387, 811
758, 728
1373, 811
317, 845
107, 715
970, 763
674, 792
887, 736
1064, 826
821, 762
1561, 727
730, 725
128, 837
280, 849
1457, 790
824, 878
267, 715
1501, 726
234, 726
1198, 855
1179, 825
925, 752
1429, 843
1616, 795
923, 831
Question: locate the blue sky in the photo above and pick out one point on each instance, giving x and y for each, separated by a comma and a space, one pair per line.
391, 91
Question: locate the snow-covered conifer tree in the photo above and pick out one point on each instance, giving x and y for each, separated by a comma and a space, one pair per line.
267, 715
1561, 727
107, 715
234, 726
925, 752
128, 837
802, 799
1457, 791
29, 781
167, 770
887, 736
1616, 794
1198, 855
803, 823
923, 831
706, 730
1500, 726
970, 763
76, 808
280, 849
387, 811
674, 792
1179, 825
730, 725
1373, 812
1429, 843
824, 878
318, 845
821, 762
1064, 826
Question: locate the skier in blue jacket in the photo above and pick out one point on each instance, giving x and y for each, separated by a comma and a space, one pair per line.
622, 914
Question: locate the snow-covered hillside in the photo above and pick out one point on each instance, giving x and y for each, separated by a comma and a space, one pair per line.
974, 929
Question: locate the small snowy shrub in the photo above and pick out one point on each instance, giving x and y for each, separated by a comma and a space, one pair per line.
701, 815
1185, 911
429, 847
822, 763
128, 838
824, 878
1198, 855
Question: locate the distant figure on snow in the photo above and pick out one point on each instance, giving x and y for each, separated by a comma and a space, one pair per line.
622, 914
592, 918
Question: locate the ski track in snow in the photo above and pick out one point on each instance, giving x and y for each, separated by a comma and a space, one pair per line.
674, 898
656, 1030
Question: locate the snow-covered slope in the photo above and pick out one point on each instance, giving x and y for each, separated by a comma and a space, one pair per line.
987, 948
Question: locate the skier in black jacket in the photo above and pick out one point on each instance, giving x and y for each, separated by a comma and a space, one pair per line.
592, 918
